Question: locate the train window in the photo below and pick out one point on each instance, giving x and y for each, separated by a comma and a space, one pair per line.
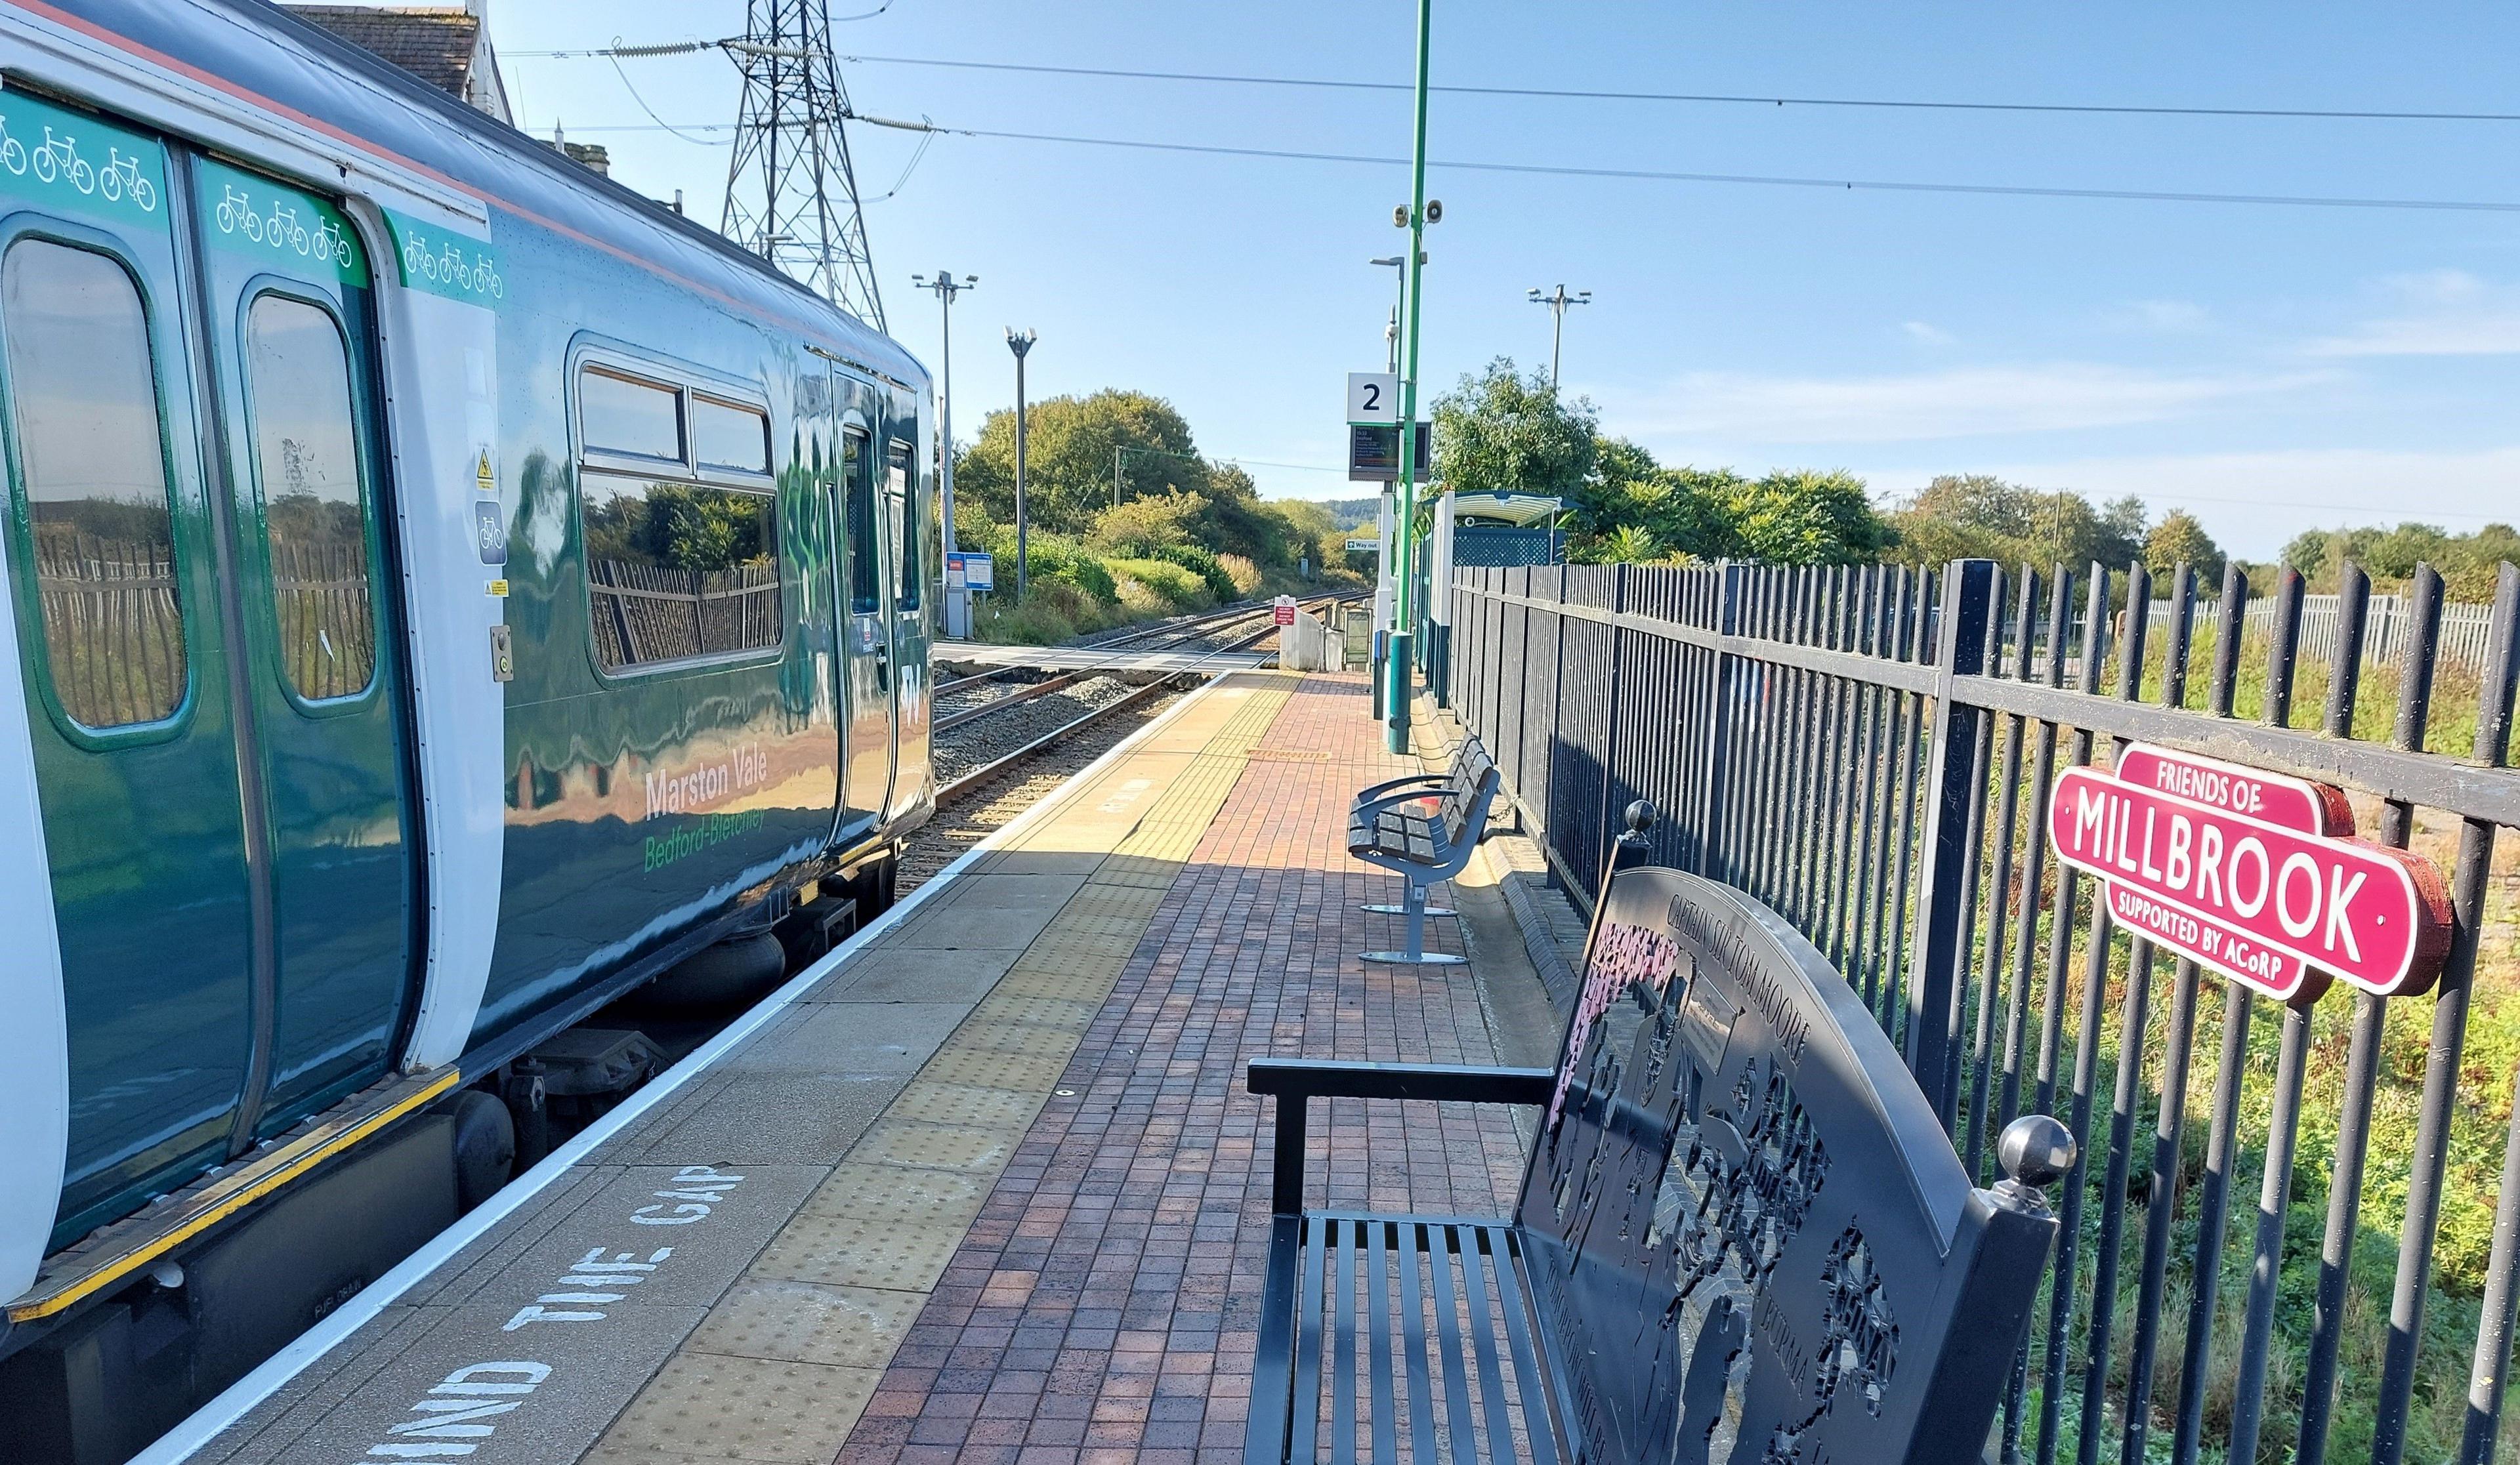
92, 467
730, 437
866, 576
905, 555
313, 521
622, 415
677, 570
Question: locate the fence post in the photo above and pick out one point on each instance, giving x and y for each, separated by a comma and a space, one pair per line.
1709, 834
1610, 714
1934, 986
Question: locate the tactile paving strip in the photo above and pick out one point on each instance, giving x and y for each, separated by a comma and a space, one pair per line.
968, 1104
711, 1406
808, 1323
908, 1142
898, 1194
982, 1069
1003, 1005
1019, 1038
849, 1251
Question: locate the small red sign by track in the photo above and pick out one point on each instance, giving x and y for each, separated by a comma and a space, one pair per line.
1284, 611
2255, 876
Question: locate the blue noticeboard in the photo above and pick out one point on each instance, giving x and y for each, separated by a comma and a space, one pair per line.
968, 569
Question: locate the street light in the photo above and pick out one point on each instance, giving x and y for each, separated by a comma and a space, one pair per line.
946, 287
1557, 301
1391, 332
1019, 344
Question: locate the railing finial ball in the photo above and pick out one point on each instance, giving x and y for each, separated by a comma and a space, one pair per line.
2035, 1151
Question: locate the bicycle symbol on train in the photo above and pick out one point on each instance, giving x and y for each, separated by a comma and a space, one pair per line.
325, 243
57, 160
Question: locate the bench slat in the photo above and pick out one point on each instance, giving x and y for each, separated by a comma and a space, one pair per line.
1539, 1413
1448, 1333
1413, 1343
1343, 1236
1304, 1428
1483, 1326
1377, 1290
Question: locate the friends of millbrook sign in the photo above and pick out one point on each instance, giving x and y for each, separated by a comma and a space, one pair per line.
2254, 875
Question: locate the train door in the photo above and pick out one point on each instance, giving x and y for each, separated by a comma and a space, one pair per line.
286, 304
218, 751
115, 560
906, 512
867, 747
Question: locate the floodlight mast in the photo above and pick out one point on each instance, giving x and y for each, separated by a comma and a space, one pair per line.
1557, 301
946, 287
1020, 344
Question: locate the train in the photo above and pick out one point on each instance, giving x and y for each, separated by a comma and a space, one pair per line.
449, 597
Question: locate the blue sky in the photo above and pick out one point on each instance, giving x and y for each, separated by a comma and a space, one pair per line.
2268, 368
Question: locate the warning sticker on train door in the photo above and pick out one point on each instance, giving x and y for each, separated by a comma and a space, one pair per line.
484, 477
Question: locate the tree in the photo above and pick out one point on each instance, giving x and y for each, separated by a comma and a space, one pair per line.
2178, 539
1975, 515
2121, 531
1807, 518
2468, 562
1498, 432
1067, 466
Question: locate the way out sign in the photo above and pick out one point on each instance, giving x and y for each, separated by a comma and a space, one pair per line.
2253, 875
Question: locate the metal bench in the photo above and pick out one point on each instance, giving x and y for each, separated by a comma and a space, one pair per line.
1741, 1236
1423, 847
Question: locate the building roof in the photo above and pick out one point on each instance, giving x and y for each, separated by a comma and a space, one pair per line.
1529, 511
436, 43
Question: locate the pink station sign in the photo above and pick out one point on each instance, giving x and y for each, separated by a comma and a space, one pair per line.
2254, 875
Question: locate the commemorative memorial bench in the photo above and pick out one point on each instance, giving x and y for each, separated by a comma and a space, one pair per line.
1742, 1234
1422, 848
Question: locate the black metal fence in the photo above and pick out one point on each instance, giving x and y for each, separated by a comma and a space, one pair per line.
1870, 750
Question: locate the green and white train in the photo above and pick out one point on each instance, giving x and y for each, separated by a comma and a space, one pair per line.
445, 592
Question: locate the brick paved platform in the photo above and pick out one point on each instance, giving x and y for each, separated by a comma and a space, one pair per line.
1101, 1308
989, 1189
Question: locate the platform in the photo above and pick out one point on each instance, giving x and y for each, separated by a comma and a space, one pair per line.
988, 1185
1087, 659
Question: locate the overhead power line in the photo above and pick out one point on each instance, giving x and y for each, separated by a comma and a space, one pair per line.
1661, 175
1568, 170
1574, 94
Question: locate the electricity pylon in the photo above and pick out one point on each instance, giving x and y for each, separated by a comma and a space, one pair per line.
791, 196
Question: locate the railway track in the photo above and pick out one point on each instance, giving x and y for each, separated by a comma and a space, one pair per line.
1090, 693
1001, 760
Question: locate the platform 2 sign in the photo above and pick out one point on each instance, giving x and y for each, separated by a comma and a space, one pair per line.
2254, 875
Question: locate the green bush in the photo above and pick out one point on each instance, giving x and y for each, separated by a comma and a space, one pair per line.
1178, 588
1202, 563
1055, 557
1052, 611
